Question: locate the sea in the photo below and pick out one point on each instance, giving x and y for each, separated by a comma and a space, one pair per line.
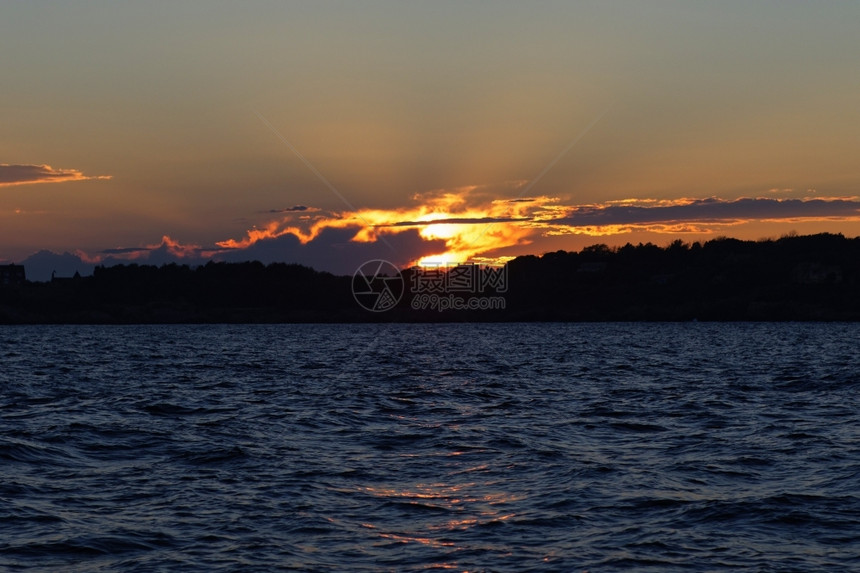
428, 447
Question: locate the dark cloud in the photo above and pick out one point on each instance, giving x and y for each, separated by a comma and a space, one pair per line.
457, 221
164, 255
293, 209
334, 251
26, 174
124, 250
711, 210
41, 266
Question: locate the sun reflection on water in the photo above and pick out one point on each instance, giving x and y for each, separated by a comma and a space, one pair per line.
475, 503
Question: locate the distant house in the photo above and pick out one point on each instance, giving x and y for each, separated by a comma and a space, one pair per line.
12, 275
73, 278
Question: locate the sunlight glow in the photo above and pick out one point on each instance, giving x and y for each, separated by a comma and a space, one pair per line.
475, 227
469, 225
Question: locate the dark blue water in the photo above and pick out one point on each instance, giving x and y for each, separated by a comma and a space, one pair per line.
545, 447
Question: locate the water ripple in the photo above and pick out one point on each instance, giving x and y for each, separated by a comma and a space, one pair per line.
611, 447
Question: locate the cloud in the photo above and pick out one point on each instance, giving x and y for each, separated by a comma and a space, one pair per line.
334, 250
466, 222
293, 209
43, 265
633, 214
454, 221
124, 250
168, 250
462, 225
29, 174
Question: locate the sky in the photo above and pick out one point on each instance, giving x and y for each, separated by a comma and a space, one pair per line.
331, 133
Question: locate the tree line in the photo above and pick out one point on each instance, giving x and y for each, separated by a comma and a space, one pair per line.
814, 277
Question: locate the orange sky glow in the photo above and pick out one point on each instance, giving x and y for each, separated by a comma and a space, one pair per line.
330, 133
476, 229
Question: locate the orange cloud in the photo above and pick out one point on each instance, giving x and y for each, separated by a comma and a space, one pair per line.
469, 223
474, 226
29, 174
168, 246
669, 214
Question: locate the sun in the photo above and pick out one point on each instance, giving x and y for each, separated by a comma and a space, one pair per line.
442, 260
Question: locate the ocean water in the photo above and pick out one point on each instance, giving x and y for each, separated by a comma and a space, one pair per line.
464, 447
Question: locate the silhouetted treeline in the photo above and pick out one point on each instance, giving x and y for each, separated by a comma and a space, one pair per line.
813, 277
793, 278
214, 292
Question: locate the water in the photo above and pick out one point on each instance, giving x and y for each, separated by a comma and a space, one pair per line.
545, 447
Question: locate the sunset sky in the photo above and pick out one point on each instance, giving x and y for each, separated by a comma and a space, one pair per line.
330, 133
